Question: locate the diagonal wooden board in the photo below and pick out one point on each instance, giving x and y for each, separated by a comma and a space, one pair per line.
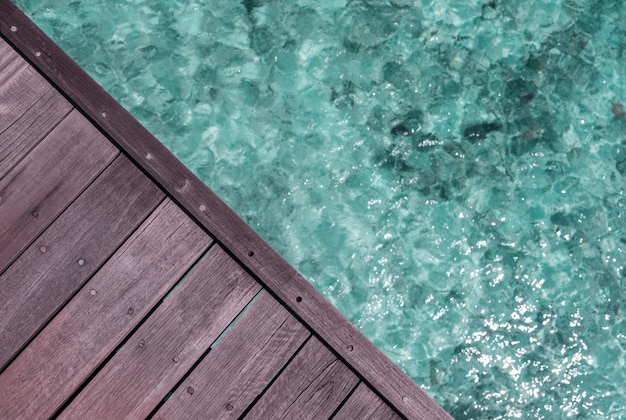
47, 180
169, 343
29, 108
363, 404
106, 309
312, 386
240, 366
69, 252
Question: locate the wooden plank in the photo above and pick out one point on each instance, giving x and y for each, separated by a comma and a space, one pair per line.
7, 55
20, 86
29, 108
30, 128
240, 366
311, 387
364, 404
37, 190
101, 315
169, 343
230, 231
61, 260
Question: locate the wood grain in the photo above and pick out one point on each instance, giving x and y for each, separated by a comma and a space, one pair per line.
42, 185
7, 54
30, 128
181, 330
98, 318
61, 260
20, 86
364, 404
311, 387
275, 274
230, 377
29, 108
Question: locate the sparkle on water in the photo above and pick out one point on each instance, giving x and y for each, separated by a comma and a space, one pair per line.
450, 174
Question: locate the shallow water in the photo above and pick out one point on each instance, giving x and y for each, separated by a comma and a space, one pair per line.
450, 174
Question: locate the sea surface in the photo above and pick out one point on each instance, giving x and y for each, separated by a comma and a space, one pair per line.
450, 174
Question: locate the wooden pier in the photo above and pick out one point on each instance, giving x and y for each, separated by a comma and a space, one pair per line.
129, 290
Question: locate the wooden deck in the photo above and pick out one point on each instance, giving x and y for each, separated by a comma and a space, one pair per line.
129, 290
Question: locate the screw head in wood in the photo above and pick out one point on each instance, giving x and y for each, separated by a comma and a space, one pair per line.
130, 311
350, 348
190, 390
80, 261
43, 249
229, 407
13, 28
35, 214
142, 343
176, 359
92, 292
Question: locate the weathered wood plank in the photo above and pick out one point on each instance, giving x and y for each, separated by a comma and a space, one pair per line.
7, 54
20, 86
170, 342
39, 188
363, 404
104, 311
311, 387
61, 260
240, 366
29, 108
25, 133
273, 272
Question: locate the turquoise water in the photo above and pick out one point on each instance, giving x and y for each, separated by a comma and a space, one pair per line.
450, 174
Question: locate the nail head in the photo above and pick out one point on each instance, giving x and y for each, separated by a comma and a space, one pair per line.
13, 28
92, 292
81, 261
43, 249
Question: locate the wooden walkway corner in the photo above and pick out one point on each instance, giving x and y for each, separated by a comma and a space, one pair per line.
129, 290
